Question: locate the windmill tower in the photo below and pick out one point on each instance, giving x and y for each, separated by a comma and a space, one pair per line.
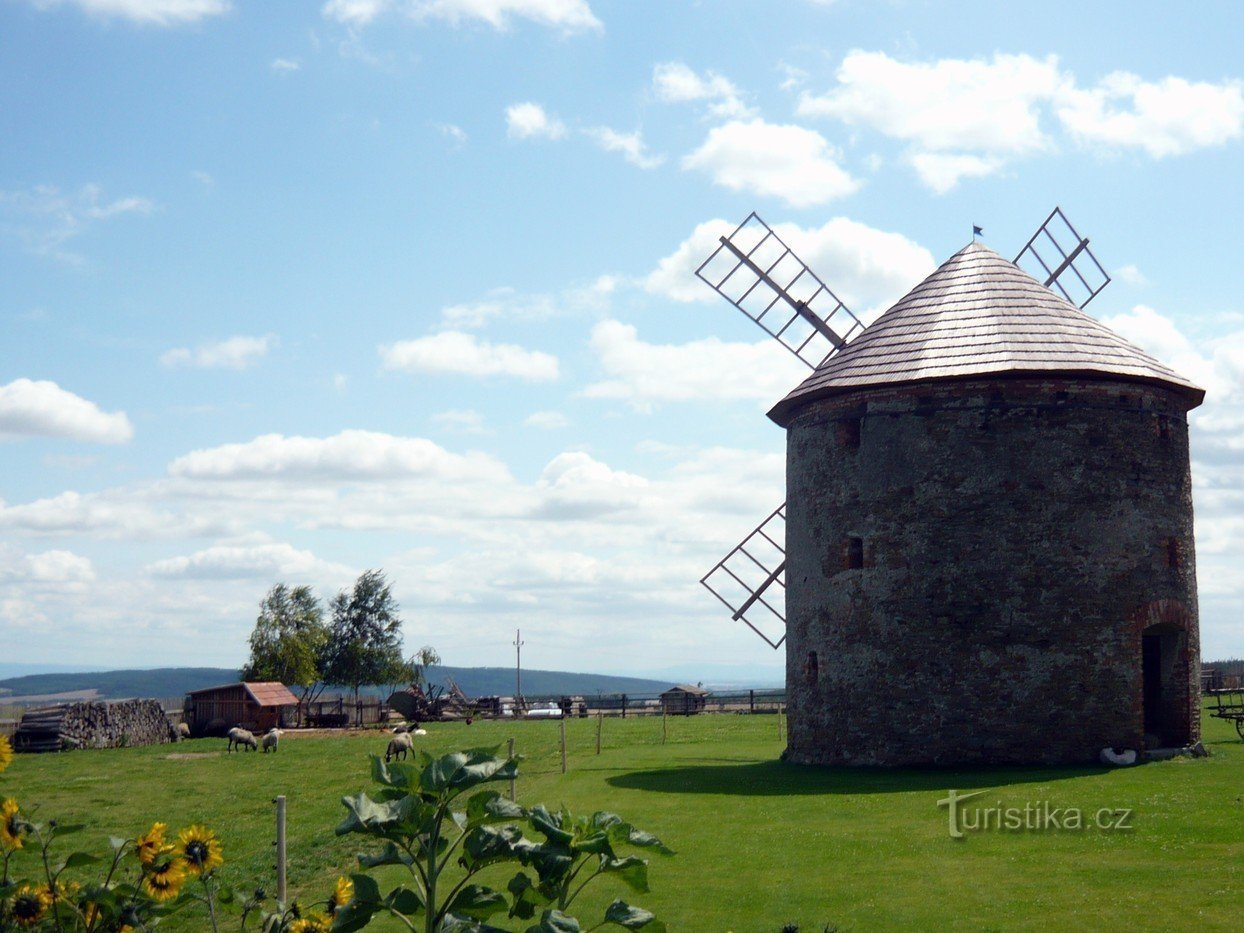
986, 552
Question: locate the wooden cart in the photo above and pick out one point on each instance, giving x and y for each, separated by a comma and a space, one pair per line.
1229, 705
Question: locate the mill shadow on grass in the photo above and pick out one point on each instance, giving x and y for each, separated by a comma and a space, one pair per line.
778, 779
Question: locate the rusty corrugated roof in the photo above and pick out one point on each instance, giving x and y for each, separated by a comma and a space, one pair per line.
271, 693
979, 314
263, 692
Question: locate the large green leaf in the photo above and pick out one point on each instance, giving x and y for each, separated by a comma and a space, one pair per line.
554, 921
459, 771
398, 774
77, 860
405, 901
486, 845
551, 860
621, 832
632, 870
477, 901
548, 824
527, 897
369, 816
633, 918
488, 806
389, 855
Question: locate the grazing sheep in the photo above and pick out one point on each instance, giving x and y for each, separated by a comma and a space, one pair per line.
183, 731
400, 728
399, 745
239, 737
270, 740
418, 731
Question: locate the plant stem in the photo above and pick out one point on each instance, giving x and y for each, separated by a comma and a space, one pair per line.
211, 908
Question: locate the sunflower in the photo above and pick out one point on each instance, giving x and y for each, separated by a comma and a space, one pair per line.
6, 752
200, 848
12, 826
29, 905
341, 895
312, 923
151, 844
163, 880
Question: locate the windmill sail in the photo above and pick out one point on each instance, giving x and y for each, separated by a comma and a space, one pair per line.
751, 580
1059, 257
762, 277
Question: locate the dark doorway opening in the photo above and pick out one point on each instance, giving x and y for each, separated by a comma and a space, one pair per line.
1165, 690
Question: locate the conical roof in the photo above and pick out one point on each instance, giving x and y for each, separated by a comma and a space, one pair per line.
979, 315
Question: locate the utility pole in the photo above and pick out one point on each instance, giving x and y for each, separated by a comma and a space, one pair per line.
518, 666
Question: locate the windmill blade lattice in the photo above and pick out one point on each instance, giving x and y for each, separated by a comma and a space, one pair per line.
751, 580
762, 277
1058, 256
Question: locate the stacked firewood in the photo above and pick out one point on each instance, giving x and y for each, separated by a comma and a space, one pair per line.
114, 724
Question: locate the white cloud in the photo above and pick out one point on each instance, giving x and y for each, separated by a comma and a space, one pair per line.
546, 420
1164, 118
107, 515
643, 373
570, 16
350, 456
529, 121
45, 218
788, 162
941, 171
1131, 275
261, 562
868, 269
462, 353
464, 421
233, 353
455, 134
148, 12
631, 145
49, 567
42, 408
285, 65
951, 105
676, 82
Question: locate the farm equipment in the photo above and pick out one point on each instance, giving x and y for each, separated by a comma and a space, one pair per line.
1229, 705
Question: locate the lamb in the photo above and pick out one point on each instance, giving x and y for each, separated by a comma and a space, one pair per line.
270, 740
239, 737
399, 745
183, 731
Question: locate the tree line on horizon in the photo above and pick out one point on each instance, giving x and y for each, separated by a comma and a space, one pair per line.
359, 643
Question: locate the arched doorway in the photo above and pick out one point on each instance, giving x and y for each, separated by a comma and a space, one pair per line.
1168, 682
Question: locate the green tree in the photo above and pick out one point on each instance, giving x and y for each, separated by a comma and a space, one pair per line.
365, 636
288, 640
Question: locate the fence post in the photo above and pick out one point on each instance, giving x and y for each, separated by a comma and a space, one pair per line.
511, 756
779, 719
624, 706
600, 722
280, 848
751, 701
664, 729
563, 724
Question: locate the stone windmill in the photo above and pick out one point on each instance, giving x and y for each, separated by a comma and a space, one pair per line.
986, 553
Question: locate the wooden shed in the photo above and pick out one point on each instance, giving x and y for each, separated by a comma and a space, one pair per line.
256, 706
683, 700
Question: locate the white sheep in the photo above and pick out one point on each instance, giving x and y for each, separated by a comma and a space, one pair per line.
399, 745
239, 737
183, 731
270, 740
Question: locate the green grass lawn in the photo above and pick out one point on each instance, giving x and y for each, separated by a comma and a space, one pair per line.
760, 844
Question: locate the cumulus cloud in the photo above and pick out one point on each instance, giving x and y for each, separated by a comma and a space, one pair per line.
42, 408
784, 161
631, 145
147, 12
530, 121
47, 567
569, 16
257, 562
285, 65
1164, 118
643, 373
350, 456
868, 269
676, 82
464, 354
44, 219
964, 118
233, 353
112, 514
464, 421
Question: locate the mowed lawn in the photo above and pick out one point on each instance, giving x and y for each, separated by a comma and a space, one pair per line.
759, 844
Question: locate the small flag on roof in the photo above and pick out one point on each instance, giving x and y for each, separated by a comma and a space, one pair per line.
977, 231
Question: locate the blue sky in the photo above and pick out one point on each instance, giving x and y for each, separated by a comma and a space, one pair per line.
291, 291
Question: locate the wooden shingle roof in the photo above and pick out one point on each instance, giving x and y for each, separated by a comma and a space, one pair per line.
978, 315
262, 692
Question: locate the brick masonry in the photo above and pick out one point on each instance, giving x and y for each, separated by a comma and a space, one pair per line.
972, 566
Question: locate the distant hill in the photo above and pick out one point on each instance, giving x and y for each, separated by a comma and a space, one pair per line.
167, 682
